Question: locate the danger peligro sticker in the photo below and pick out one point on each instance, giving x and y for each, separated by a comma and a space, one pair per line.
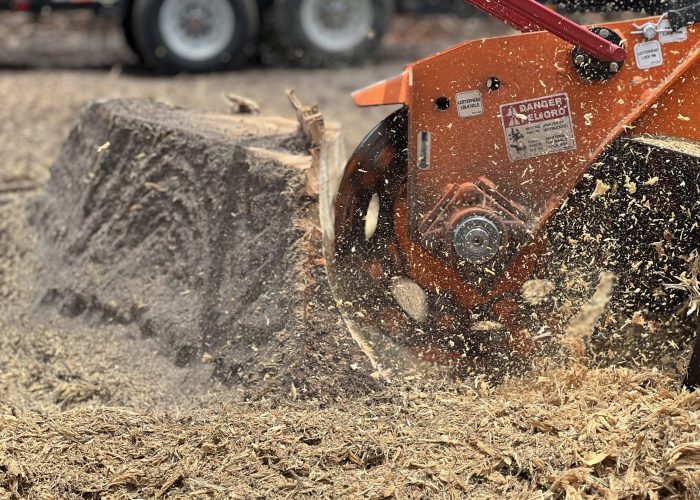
538, 127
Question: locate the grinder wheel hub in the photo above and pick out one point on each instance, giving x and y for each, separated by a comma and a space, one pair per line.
477, 239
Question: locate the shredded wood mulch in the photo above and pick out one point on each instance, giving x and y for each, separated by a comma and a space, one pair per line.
575, 433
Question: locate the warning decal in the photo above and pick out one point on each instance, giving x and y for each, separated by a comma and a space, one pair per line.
470, 104
648, 54
538, 127
667, 35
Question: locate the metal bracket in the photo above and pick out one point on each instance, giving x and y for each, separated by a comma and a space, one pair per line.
650, 30
471, 201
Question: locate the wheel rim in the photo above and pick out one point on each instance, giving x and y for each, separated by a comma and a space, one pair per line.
197, 30
336, 25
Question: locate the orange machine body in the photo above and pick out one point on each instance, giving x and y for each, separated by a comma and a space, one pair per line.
535, 133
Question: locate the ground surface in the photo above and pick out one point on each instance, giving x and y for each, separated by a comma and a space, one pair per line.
91, 410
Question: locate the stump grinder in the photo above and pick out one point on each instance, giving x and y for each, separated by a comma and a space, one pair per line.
519, 178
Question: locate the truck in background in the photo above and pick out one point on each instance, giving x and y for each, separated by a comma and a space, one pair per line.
209, 35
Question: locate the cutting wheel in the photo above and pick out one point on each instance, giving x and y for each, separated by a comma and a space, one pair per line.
400, 324
644, 234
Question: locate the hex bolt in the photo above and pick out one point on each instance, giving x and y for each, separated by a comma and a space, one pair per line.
649, 31
477, 239
493, 83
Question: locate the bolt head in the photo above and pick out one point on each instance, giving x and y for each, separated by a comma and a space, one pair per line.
649, 31
477, 239
614, 67
493, 83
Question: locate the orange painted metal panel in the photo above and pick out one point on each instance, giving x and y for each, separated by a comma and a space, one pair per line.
532, 66
392, 91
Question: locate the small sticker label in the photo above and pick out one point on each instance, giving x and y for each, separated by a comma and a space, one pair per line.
648, 54
538, 127
677, 36
470, 104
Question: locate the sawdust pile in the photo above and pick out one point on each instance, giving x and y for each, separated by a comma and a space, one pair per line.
613, 433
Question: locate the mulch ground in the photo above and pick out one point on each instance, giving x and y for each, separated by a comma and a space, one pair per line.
573, 433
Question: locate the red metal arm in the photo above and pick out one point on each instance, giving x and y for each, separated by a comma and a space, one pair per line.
530, 15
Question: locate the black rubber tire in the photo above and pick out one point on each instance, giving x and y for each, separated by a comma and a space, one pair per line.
127, 26
297, 48
155, 54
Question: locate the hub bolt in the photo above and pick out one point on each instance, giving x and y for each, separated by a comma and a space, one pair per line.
477, 239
